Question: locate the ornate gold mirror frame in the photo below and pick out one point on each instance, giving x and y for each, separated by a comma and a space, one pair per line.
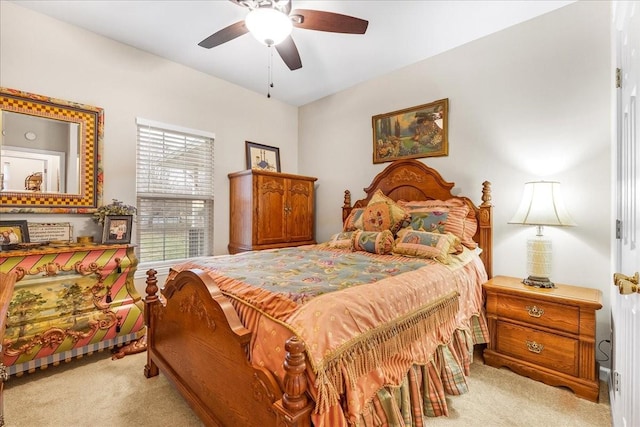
89, 121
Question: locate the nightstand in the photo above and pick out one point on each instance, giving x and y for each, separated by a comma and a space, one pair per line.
544, 334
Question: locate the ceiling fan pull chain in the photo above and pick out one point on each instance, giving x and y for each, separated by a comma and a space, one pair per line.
270, 72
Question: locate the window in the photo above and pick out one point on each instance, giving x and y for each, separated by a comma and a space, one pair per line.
174, 186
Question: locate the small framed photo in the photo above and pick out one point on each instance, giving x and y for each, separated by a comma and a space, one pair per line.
117, 229
262, 157
14, 232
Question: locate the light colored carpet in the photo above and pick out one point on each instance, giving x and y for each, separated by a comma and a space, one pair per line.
95, 391
98, 391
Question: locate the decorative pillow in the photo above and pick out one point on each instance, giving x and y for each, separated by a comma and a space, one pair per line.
433, 221
354, 217
382, 213
341, 240
461, 220
424, 244
375, 242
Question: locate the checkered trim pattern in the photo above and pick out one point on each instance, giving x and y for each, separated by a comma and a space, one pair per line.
91, 122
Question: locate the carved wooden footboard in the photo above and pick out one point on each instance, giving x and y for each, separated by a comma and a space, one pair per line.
194, 336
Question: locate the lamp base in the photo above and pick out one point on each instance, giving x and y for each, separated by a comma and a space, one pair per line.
538, 282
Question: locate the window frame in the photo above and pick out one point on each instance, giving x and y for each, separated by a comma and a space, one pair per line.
162, 266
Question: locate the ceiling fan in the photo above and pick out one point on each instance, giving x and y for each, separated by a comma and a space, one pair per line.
279, 12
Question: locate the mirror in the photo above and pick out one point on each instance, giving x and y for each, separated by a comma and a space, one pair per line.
50, 154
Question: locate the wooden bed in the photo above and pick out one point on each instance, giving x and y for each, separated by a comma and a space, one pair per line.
196, 339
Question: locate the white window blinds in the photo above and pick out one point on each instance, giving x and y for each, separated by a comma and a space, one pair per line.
174, 186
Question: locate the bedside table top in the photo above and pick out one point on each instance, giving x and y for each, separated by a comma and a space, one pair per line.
565, 293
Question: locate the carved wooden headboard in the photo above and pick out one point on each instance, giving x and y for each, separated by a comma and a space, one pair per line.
413, 180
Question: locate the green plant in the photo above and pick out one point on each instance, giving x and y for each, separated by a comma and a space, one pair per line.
116, 207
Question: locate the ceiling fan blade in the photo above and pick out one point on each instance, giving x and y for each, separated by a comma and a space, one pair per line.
328, 21
289, 53
224, 35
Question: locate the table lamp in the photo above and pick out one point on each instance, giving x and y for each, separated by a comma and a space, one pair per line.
541, 205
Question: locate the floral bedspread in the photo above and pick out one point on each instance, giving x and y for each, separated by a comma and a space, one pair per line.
392, 312
284, 279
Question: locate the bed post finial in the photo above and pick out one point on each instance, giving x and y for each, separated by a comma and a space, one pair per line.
486, 194
294, 407
347, 199
346, 206
152, 285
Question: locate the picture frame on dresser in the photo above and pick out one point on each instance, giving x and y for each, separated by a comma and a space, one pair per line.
117, 229
14, 232
45, 232
262, 157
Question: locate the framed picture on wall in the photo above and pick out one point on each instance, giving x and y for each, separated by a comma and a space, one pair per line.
411, 133
262, 157
117, 229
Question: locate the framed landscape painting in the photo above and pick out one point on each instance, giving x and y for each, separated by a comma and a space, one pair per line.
411, 133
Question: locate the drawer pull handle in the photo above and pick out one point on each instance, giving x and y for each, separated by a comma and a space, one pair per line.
534, 311
534, 347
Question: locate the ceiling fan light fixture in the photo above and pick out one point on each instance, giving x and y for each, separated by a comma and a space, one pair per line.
269, 26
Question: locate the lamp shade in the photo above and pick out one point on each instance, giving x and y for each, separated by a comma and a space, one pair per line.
268, 26
542, 205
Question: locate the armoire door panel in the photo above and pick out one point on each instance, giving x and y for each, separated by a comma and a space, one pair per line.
270, 210
270, 215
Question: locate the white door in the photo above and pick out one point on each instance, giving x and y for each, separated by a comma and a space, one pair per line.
624, 393
627, 24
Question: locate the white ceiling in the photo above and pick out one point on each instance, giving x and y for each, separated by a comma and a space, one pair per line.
400, 33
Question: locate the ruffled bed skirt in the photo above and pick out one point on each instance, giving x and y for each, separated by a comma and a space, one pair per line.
423, 391
420, 394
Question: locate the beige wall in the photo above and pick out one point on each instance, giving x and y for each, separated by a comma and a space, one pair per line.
530, 102
48, 57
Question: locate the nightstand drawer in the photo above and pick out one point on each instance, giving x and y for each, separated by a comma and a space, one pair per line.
540, 313
544, 349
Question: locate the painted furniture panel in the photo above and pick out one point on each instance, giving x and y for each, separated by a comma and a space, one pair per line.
68, 302
7, 283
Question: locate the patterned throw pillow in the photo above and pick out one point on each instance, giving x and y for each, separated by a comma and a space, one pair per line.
341, 240
460, 220
382, 213
433, 221
375, 242
352, 219
423, 244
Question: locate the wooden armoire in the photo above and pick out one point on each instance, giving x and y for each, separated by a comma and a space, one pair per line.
270, 210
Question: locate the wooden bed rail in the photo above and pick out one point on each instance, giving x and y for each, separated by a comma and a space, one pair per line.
290, 407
